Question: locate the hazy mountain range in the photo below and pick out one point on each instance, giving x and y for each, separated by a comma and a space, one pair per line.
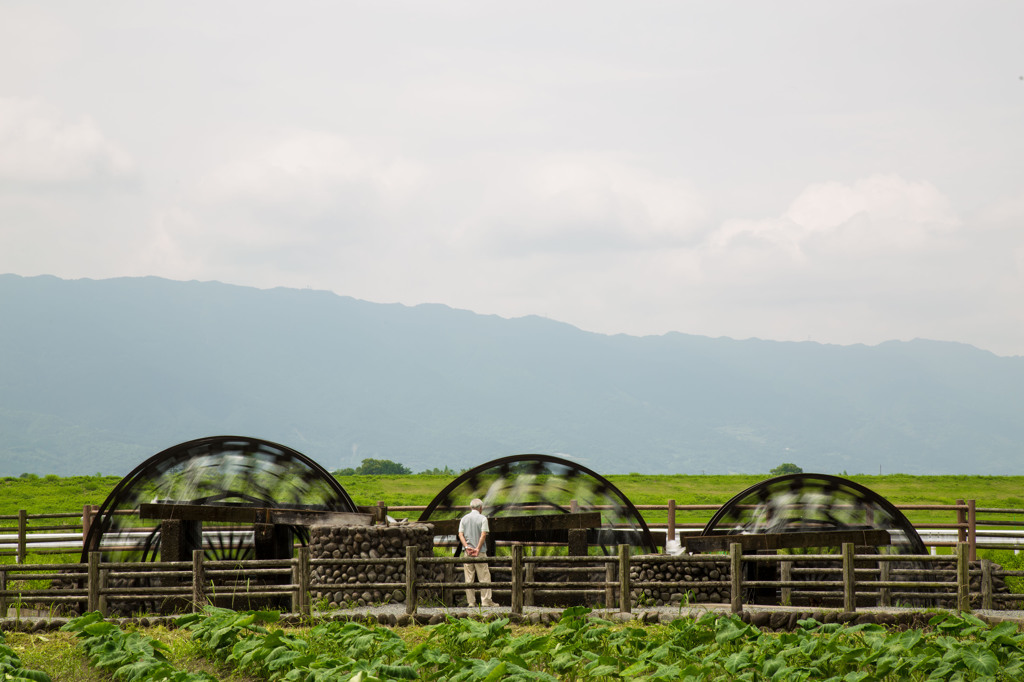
96, 376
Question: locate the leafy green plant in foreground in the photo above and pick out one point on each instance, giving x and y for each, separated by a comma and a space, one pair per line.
11, 668
582, 648
128, 656
242, 640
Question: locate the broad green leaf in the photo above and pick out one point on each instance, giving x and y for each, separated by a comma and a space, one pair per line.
737, 661
731, 631
908, 639
772, 666
33, 676
496, 673
856, 676
980, 661
398, 672
601, 670
635, 669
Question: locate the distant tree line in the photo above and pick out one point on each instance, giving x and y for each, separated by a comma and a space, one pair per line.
375, 467
386, 467
447, 471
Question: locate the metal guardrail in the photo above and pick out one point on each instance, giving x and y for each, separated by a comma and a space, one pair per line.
984, 539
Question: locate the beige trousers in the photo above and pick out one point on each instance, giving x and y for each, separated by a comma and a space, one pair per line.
483, 574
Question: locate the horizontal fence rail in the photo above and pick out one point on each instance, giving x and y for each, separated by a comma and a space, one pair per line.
849, 579
984, 527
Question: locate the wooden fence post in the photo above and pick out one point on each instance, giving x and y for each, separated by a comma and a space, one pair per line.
670, 531
382, 513
198, 593
884, 574
625, 599
531, 575
300, 580
736, 576
849, 579
961, 520
410, 579
786, 575
609, 590
103, 600
517, 578
963, 578
972, 529
22, 535
447, 593
987, 599
93, 580
86, 520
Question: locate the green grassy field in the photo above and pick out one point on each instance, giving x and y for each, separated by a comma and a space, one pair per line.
54, 494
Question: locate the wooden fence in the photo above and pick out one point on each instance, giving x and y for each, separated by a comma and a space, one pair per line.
987, 527
188, 585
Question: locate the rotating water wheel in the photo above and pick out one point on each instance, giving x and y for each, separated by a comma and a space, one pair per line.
528, 485
219, 470
526, 498
813, 505
814, 502
225, 475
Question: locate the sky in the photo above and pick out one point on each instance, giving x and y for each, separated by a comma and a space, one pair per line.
840, 172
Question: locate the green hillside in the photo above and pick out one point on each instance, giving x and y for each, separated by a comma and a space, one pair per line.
96, 376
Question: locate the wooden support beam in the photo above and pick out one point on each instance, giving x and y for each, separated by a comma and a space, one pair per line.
197, 512
233, 514
768, 541
295, 517
518, 524
179, 538
272, 541
577, 542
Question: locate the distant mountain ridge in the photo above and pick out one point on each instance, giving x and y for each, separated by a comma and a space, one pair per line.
97, 375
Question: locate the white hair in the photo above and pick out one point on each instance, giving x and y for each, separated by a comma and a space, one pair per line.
477, 504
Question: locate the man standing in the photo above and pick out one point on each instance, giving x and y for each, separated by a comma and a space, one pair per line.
473, 531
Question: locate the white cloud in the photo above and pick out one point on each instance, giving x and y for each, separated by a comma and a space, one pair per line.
39, 146
626, 171
310, 172
301, 196
860, 262
887, 198
879, 214
585, 203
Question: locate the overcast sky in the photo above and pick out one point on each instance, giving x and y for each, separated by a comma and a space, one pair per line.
844, 172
